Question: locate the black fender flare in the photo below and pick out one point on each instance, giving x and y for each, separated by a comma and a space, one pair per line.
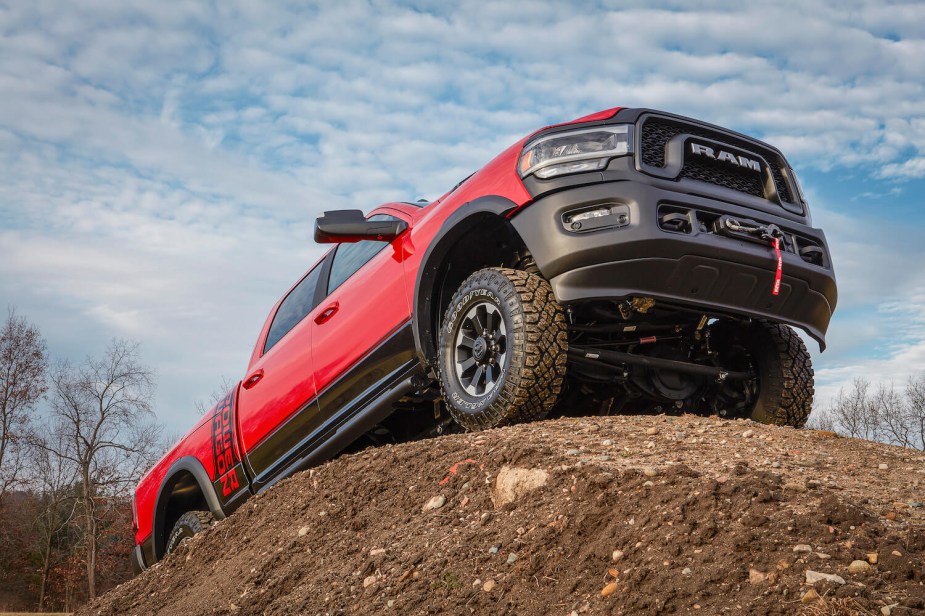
194, 467
466, 217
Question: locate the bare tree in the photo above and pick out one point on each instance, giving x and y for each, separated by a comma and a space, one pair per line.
821, 419
219, 393
102, 423
53, 478
895, 427
855, 413
23, 365
915, 410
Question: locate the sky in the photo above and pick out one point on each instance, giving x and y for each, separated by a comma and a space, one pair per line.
162, 163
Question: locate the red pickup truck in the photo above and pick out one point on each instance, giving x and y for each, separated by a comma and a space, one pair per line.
627, 261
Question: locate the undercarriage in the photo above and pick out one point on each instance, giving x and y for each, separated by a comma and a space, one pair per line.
637, 356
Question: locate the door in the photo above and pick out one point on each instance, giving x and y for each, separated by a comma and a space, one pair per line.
279, 387
362, 330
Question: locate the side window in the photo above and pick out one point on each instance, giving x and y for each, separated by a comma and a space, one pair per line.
351, 257
299, 302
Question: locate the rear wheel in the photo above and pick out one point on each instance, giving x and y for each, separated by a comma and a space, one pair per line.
782, 392
503, 347
189, 524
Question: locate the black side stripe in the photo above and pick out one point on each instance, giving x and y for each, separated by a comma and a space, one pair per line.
356, 388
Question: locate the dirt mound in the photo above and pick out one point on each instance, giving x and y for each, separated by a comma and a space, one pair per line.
596, 515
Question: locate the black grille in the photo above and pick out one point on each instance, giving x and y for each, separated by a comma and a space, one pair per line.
713, 172
656, 132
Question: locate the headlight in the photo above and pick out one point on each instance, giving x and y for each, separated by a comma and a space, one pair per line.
587, 149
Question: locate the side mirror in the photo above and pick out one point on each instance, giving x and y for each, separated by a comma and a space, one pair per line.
351, 226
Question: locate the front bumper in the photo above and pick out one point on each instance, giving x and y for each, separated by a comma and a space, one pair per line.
697, 269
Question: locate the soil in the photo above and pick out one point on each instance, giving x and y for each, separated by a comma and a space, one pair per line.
603, 515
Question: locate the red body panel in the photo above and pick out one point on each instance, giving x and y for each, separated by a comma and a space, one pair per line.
377, 299
372, 304
287, 384
198, 444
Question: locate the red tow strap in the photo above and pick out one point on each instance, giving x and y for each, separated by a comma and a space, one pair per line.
775, 241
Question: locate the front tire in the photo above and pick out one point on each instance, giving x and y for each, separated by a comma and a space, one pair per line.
503, 347
190, 523
785, 384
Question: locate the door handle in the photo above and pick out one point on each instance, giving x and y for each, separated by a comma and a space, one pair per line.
253, 379
327, 313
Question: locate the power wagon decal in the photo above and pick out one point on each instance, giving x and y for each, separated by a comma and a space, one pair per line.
229, 471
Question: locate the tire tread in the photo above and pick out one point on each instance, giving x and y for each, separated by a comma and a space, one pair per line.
539, 350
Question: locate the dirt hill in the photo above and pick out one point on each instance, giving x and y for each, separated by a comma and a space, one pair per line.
605, 515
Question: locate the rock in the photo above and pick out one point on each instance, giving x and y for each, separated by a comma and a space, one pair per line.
810, 596
652, 431
823, 556
369, 581
649, 472
883, 467
872, 558
513, 483
390, 603
488, 586
617, 555
609, 589
802, 547
607, 442
756, 577
858, 567
748, 434
477, 583
434, 503
485, 518
897, 553
493, 550
814, 576
686, 571
886, 610
377, 554
303, 531
573, 452
915, 504
511, 558
648, 484
775, 464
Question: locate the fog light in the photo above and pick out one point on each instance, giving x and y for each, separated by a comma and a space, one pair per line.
596, 217
604, 211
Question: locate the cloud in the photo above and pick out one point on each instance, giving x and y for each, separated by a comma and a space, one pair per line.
161, 163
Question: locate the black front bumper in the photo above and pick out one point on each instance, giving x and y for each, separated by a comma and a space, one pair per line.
697, 269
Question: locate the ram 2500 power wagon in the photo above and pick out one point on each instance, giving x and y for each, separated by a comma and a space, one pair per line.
627, 261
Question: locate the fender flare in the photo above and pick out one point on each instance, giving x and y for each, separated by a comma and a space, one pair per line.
455, 226
194, 467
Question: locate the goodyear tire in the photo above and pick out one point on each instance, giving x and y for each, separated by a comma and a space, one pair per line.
785, 385
189, 524
503, 346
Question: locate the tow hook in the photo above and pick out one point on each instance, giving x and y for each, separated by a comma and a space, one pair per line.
770, 233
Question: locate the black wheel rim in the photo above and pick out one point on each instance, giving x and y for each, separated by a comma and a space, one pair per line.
480, 349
